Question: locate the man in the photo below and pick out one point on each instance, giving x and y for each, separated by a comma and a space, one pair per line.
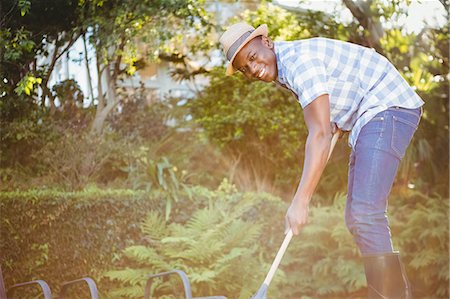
361, 92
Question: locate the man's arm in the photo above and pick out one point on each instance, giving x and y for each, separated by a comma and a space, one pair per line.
317, 118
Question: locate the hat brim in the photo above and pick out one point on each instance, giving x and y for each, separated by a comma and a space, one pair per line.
261, 30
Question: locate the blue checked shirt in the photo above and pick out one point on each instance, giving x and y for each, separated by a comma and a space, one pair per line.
359, 81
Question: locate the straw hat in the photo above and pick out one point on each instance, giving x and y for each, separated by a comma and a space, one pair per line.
236, 37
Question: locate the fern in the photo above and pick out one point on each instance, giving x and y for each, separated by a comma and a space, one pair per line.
154, 226
206, 275
216, 246
227, 245
135, 291
144, 255
204, 220
129, 276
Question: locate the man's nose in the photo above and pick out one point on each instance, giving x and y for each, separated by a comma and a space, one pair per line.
252, 69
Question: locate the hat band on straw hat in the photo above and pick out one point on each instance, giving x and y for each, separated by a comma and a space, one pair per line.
237, 43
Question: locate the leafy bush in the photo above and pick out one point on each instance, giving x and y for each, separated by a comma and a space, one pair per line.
323, 261
142, 117
258, 126
148, 174
217, 246
422, 227
22, 131
74, 160
59, 236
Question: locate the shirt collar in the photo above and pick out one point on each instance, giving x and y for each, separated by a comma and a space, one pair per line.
281, 77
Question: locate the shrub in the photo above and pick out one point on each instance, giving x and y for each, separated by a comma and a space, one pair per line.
225, 240
422, 227
59, 236
258, 126
228, 243
217, 246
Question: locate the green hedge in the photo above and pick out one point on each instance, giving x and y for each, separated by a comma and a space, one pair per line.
225, 240
60, 236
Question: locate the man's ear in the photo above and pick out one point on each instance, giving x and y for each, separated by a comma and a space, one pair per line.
267, 41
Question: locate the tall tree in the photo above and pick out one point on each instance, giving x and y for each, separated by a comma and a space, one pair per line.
45, 30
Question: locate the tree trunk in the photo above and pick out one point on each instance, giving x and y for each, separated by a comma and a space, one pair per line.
100, 118
446, 4
88, 71
361, 11
106, 105
103, 109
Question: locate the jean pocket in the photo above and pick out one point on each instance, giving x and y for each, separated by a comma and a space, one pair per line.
402, 133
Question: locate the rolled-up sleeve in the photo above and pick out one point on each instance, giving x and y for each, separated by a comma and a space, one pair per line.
308, 79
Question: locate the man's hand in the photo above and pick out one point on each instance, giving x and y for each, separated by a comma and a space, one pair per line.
296, 216
334, 128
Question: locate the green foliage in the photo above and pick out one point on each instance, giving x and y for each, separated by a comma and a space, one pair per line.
138, 121
69, 94
25, 25
232, 235
16, 45
258, 126
216, 246
422, 226
23, 132
59, 236
74, 160
323, 261
148, 174
288, 25
397, 45
118, 23
24, 6
224, 240
27, 84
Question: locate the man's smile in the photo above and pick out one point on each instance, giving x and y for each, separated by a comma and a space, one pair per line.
261, 73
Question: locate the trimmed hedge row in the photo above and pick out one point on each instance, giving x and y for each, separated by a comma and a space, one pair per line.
61, 236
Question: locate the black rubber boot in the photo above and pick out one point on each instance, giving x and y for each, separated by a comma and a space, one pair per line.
386, 277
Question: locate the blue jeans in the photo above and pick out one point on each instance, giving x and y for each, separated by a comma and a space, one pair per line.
374, 161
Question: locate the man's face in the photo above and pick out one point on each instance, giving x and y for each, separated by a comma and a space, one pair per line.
256, 60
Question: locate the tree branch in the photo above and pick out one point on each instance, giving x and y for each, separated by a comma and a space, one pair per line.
361, 11
118, 61
446, 4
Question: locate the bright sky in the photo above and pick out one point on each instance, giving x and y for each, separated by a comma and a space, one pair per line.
431, 12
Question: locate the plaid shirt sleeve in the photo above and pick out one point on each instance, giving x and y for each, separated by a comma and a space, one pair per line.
307, 78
